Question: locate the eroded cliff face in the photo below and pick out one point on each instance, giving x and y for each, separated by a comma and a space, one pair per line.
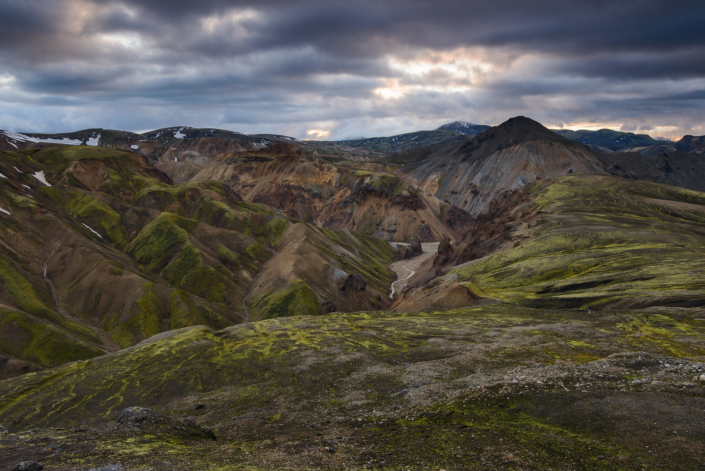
519, 152
289, 178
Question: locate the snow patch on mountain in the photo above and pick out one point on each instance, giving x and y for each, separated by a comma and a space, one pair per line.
40, 176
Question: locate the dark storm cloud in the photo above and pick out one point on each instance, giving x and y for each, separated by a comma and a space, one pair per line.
308, 61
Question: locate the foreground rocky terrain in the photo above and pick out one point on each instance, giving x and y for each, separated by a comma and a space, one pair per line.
261, 315
494, 387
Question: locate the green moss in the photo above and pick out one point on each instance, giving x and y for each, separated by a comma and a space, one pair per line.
227, 256
41, 343
257, 252
97, 215
373, 257
205, 282
153, 245
186, 312
443, 208
19, 201
50, 193
603, 241
187, 260
144, 322
34, 299
298, 299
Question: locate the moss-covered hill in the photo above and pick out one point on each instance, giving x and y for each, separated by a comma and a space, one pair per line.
496, 386
100, 250
601, 241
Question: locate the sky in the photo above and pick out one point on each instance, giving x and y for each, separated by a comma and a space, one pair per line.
322, 69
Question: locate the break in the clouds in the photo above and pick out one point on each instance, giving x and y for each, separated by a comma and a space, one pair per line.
322, 69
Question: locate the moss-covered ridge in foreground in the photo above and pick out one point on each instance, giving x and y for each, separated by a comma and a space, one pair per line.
605, 241
457, 389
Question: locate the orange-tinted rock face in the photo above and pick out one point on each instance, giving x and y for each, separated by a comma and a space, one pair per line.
289, 178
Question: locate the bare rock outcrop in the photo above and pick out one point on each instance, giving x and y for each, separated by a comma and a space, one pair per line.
413, 250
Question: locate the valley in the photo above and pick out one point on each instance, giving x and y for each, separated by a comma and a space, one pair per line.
472, 297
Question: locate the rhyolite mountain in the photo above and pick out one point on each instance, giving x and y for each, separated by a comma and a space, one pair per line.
473, 173
337, 197
242, 319
100, 250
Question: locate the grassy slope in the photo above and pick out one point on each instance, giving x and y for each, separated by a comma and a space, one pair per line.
606, 241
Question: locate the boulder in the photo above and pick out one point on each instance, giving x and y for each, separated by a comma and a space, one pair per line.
413, 250
425, 233
352, 282
445, 253
327, 307
28, 466
137, 416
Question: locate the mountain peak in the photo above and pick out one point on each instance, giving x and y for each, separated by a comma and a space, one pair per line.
516, 130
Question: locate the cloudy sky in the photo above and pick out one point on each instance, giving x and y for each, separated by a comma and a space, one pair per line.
344, 69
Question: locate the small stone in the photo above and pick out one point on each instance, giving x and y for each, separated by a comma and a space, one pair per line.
28, 466
702, 377
110, 467
136, 415
382, 464
2, 429
200, 406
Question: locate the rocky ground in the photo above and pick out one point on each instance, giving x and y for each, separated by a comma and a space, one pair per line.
487, 388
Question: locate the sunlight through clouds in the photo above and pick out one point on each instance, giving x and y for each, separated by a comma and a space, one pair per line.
348, 69
317, 134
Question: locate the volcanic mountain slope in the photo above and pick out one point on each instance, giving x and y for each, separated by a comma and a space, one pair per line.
99, 250
463, 127
291, 179
379, 146
348, 271
584, 349
588, 242
684, 169
694, 144
610, 139
473, 173
180, 151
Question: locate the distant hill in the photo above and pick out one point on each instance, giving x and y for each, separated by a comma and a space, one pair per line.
386, 145
609, 139
694, 144
463, 127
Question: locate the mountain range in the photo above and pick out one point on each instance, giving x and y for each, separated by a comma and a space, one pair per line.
463, 298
